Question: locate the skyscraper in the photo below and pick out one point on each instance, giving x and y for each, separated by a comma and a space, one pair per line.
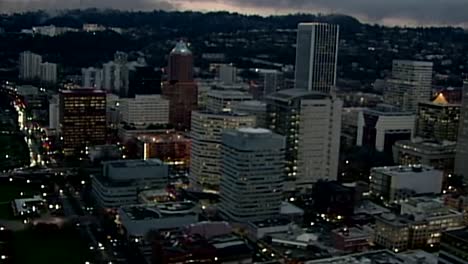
92, 78
461, 158
311, 123
252, 169
116, 74
316, 56
82, 119
48, 72
411, 84
438, 120
207, 128
180, 88
29, 65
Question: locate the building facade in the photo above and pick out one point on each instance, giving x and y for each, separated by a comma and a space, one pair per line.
461, 164
207, 129
379, 128
311, 123
48, 72
454, 247
254, 108
225, 100
438, 120
82, 119
29, 65
411, 84
145, 110
92, 78
316, 56
252, 174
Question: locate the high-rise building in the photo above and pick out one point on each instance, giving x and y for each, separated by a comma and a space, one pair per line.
461, 158
252, 174
225, 100
29, 65
227, 74
54, 112
48, 72
180, 89
82, 119
311, 123
438, 120
411, 84
316, 56
271, 81
116, 75
144, 110
92, 78
207, 128
255, 108
380, 127
144, 80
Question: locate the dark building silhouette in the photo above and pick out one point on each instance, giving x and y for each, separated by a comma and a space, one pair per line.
145, 80
333, 199
180, 89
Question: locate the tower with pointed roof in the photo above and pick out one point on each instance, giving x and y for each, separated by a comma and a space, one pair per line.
180, 88
438, 120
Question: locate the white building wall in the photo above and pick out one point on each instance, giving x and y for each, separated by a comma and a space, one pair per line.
145, 110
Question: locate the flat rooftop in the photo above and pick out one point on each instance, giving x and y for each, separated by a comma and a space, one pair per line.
290, 94
460, 233
379, 256
428, 146
149, 212
386, 110
403, 169
134, 163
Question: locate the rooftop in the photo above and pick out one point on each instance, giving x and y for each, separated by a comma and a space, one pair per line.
290, 94
460, 233
427, 146
83, 91
134, 163
181, 49
387, 110
271, 222
402, 170
251, 130
379, 256
148, 212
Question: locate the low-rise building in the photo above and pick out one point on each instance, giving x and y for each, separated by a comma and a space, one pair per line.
395, 183
138, 220
122, 180
454, 247
351, 239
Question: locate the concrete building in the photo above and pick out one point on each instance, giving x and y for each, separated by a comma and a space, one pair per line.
227, 74
420, 224
316, 56
461, 159
122, 180
270, 81
349, 125
145, 110
54, 112
441, 156
252, 174
396, 183
381, 256
92, 77
254, 108
379, 128
438, 120
351, 239
311, 123
453, 247
180, 89
207, 129
116, 75
48, 72
225, 100
138, 220
82, 119
29, 65
411, 84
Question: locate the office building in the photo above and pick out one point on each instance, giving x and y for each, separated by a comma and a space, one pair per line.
269, 81
225, 100
144, 110
461, 159
438, 120
454, 247
396, 183
172, 148
254, 108
227, 74
48, 72
349, 125
380, 127
411, 84
252, 174
207, 129
54, 112
122, 180
180, 88
439, 155
316, 56
29, 65
92, 78
82, 119
116, 75
419, 225
311, 124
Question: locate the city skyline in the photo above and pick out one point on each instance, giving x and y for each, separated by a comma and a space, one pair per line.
395, 13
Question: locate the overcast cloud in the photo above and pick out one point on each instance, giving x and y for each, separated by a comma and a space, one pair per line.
409, 12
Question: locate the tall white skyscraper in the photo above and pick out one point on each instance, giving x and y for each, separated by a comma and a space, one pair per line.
316, 56
206, 130
461, 158
252, 174
29, 65
92, 77
48, 72
411, 83
311, 123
